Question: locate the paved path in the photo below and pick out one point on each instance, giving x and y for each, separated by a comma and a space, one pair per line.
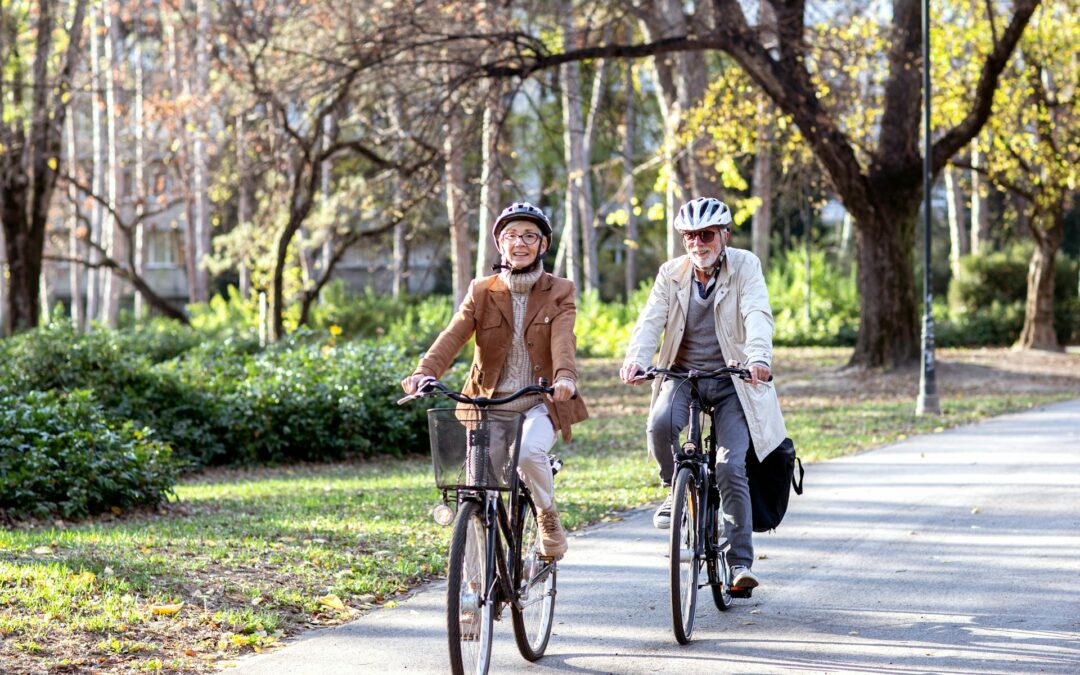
957, 552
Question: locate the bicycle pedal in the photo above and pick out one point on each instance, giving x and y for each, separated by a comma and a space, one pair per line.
740, 592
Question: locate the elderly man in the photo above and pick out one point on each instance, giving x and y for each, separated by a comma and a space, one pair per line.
712, 307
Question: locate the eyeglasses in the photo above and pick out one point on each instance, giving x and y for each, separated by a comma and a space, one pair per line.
529, 238
704, 236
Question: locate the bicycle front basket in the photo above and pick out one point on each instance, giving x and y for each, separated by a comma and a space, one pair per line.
473, 448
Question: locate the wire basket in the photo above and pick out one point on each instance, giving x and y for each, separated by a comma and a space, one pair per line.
473, 448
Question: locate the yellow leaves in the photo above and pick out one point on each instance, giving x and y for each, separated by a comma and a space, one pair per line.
53, 163
335, 329
166, 610
331, 601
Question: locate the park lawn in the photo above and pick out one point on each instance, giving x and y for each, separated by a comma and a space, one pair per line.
257, 555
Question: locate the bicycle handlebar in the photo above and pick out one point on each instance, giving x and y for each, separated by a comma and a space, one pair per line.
433, 387
742, 373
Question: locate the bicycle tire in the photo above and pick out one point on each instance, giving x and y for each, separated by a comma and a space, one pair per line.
469, 623
718, 567
684, 562
536, 590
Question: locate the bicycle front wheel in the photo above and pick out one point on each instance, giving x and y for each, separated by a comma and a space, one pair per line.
718, 567
685, 564
535, 591
469, 614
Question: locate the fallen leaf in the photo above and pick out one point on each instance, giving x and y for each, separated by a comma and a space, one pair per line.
331, 601
975, 510
167, 610
43, 550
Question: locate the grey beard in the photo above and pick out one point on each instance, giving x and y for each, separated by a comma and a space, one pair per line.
715, 267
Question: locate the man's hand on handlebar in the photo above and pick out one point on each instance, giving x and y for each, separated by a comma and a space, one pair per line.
759, 372
632, 374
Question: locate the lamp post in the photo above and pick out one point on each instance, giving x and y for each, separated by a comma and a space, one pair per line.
927, 403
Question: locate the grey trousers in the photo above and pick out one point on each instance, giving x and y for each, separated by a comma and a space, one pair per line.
669, 417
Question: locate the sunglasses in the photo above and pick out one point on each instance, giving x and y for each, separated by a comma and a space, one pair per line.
704, 236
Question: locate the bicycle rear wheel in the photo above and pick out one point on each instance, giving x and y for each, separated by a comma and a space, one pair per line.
536, 590
685, 564
469, 615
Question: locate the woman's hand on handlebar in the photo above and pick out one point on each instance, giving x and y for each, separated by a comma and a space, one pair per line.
564, 390
414, 382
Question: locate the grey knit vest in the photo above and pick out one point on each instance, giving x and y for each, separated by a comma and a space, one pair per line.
700, 350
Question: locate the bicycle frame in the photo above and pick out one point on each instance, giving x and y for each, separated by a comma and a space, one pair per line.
698, 454
501, 522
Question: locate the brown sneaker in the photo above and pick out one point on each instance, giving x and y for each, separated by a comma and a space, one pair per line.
552, 536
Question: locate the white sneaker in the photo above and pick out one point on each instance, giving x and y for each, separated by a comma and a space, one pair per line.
661, 520
742, 577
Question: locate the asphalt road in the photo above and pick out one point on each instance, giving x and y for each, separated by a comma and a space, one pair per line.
956, 552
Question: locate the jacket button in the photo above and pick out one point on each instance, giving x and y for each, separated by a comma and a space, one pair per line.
529, 343
536, 369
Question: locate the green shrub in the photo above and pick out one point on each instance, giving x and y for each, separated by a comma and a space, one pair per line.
413, 323
306, 401
61, 455
986, 300
603, 328
128, 386
833, 318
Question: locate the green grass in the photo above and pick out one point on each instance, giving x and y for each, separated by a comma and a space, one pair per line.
254, 555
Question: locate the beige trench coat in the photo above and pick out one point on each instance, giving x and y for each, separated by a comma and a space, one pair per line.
744, 330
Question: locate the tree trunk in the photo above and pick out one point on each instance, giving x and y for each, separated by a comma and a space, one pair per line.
1038, 331
200, 182
29, 162
958, 236
401, 249
762, 224
111, 286
460, 255
140, 191
96, 275
980, 213
589, 244
888, 316
631, 240
487, 253
76, 248
245, 200
573, 141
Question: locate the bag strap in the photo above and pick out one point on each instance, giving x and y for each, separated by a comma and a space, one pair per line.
797, 486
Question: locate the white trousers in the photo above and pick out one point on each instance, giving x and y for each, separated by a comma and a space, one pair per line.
534, 467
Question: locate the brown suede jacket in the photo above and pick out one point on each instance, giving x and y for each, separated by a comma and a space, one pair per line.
487, 311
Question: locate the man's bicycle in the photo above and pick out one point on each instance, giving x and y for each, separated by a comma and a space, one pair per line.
696, 537
495, 558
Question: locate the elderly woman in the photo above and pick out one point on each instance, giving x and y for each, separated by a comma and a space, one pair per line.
523, 319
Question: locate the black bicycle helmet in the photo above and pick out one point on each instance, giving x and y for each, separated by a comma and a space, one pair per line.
522, 211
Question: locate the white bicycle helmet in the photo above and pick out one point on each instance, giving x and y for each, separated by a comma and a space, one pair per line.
697, 214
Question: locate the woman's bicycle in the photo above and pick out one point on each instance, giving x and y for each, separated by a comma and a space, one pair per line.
696, 536
495, 558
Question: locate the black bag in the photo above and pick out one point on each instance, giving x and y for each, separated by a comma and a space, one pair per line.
769, 481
